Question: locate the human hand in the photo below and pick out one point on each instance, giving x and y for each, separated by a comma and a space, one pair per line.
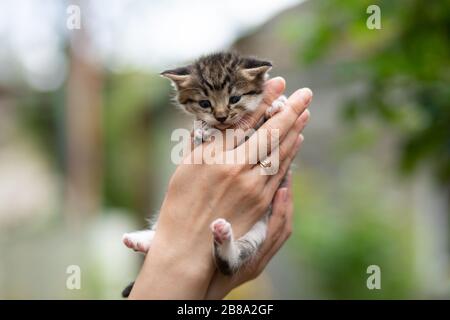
279, 230
179, 263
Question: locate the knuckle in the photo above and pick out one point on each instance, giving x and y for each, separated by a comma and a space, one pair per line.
233, 171
263, 198
283, 153
281, 225
245, 184
256, 272
288, 232
223, 171
269, 126
279, 176
258, 198
283, 168
268, 98
228, 171
270, 133
260, 204
250, 123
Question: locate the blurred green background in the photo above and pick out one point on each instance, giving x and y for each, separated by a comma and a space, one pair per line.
85, 124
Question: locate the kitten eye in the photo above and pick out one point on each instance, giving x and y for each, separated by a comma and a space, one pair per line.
204, 103
235, 99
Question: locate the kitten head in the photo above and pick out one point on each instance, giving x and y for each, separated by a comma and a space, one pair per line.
220, 88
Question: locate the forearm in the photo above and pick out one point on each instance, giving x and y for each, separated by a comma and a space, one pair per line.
178, 265
219, 287
173, 273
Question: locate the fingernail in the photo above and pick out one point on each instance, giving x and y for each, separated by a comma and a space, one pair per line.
307, 95
278, 84
306, 115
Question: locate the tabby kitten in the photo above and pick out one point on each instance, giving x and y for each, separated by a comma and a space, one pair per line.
219, 89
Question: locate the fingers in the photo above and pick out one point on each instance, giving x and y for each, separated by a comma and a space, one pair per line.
279, 229
273, 88
279, 208
277, 220
288, 144
289, 208
285, 149
275, 180
290, 205
274, 130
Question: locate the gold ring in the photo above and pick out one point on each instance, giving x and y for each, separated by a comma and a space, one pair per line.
265, 163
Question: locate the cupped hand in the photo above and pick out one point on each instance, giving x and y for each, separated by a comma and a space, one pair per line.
179, 263
278, 231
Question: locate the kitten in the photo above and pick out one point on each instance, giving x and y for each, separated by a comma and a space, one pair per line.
219, 89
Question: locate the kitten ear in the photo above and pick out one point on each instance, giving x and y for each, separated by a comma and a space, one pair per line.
178, 76
254, 68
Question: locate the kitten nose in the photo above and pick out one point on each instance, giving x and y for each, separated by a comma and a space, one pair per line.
221, 119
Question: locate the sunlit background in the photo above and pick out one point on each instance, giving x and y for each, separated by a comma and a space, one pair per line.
85, 124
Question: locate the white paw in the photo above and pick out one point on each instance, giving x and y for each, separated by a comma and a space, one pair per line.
138, 241
201, 135
198, 136
207, 134
276, 106
221, 230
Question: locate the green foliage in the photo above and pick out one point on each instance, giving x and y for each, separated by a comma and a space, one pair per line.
130, 100
339, 233
41, 117
404, 67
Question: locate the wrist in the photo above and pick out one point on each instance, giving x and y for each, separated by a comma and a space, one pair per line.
178, 265
189, 258
219, 287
